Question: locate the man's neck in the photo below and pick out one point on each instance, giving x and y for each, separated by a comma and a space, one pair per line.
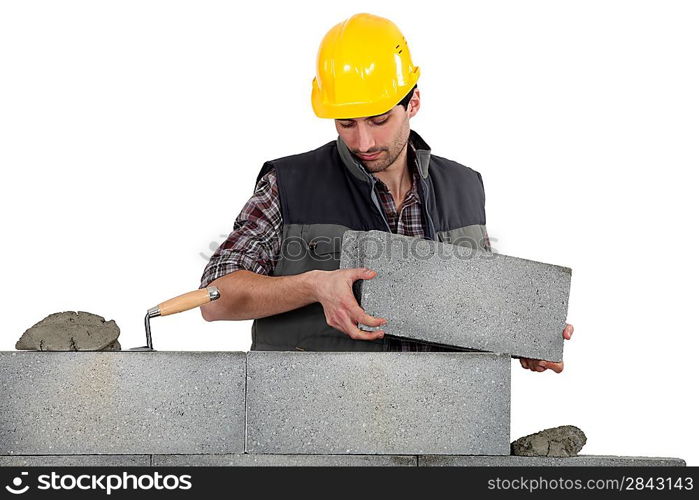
397, 176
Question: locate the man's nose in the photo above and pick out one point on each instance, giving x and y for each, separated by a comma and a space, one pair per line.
364, 138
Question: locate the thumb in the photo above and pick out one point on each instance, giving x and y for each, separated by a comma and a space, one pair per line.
363, 273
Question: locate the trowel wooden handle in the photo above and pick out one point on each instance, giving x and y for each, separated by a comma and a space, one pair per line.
186, 301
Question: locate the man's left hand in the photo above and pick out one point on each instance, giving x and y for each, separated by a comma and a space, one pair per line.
539, 365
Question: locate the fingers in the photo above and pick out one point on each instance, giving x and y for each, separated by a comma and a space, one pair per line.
539, 365
556, 367
350, 328
342, 311
533, 366
356, 313
528, 363
568, 331
341, 320
359, 315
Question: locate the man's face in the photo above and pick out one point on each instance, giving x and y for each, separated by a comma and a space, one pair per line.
378, 140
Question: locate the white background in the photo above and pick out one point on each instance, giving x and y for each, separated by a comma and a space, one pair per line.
131, 134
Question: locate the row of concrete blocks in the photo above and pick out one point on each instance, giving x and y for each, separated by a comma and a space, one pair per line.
250, 460
259, 408
68, 403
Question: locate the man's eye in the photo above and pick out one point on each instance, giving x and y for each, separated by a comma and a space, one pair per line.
381, 122
346, 125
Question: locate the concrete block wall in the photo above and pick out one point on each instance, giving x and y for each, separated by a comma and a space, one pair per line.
457, 296
303, 409
169, 403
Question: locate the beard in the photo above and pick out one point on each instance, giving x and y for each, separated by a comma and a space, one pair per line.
386, 159
380, 164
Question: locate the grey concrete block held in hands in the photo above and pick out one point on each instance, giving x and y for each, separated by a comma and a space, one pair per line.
459, 296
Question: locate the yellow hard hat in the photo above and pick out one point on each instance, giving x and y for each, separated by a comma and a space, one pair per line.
363, 69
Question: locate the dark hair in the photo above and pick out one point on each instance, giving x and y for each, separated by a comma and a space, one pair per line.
404, 102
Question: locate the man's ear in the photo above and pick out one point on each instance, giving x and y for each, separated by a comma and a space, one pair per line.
414, 103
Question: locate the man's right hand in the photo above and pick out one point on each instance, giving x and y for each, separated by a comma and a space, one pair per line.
333, 289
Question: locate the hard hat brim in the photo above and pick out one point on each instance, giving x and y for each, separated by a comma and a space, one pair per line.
360, 109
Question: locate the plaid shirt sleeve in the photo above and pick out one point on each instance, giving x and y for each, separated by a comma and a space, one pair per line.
255, 242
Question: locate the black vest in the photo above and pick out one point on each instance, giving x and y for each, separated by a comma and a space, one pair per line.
326, 192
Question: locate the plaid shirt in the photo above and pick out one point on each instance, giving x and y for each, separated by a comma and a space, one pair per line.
255, 242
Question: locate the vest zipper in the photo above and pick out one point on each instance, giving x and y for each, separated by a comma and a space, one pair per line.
377, 204
426, 196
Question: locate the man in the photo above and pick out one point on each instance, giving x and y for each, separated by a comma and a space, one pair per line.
279, 265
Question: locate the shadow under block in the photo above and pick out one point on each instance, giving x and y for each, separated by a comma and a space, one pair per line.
248, 460
251, 460
578, 461
75, 460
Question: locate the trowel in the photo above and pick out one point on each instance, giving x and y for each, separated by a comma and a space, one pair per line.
181, 303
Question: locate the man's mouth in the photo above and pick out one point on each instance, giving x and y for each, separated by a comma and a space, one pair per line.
369, 157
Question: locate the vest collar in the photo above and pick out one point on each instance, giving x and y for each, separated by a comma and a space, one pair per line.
352, 163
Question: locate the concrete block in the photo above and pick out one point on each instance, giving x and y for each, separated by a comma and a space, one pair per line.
248, 460
75, 460
459, 296
518, 461
73, 403
378, 403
